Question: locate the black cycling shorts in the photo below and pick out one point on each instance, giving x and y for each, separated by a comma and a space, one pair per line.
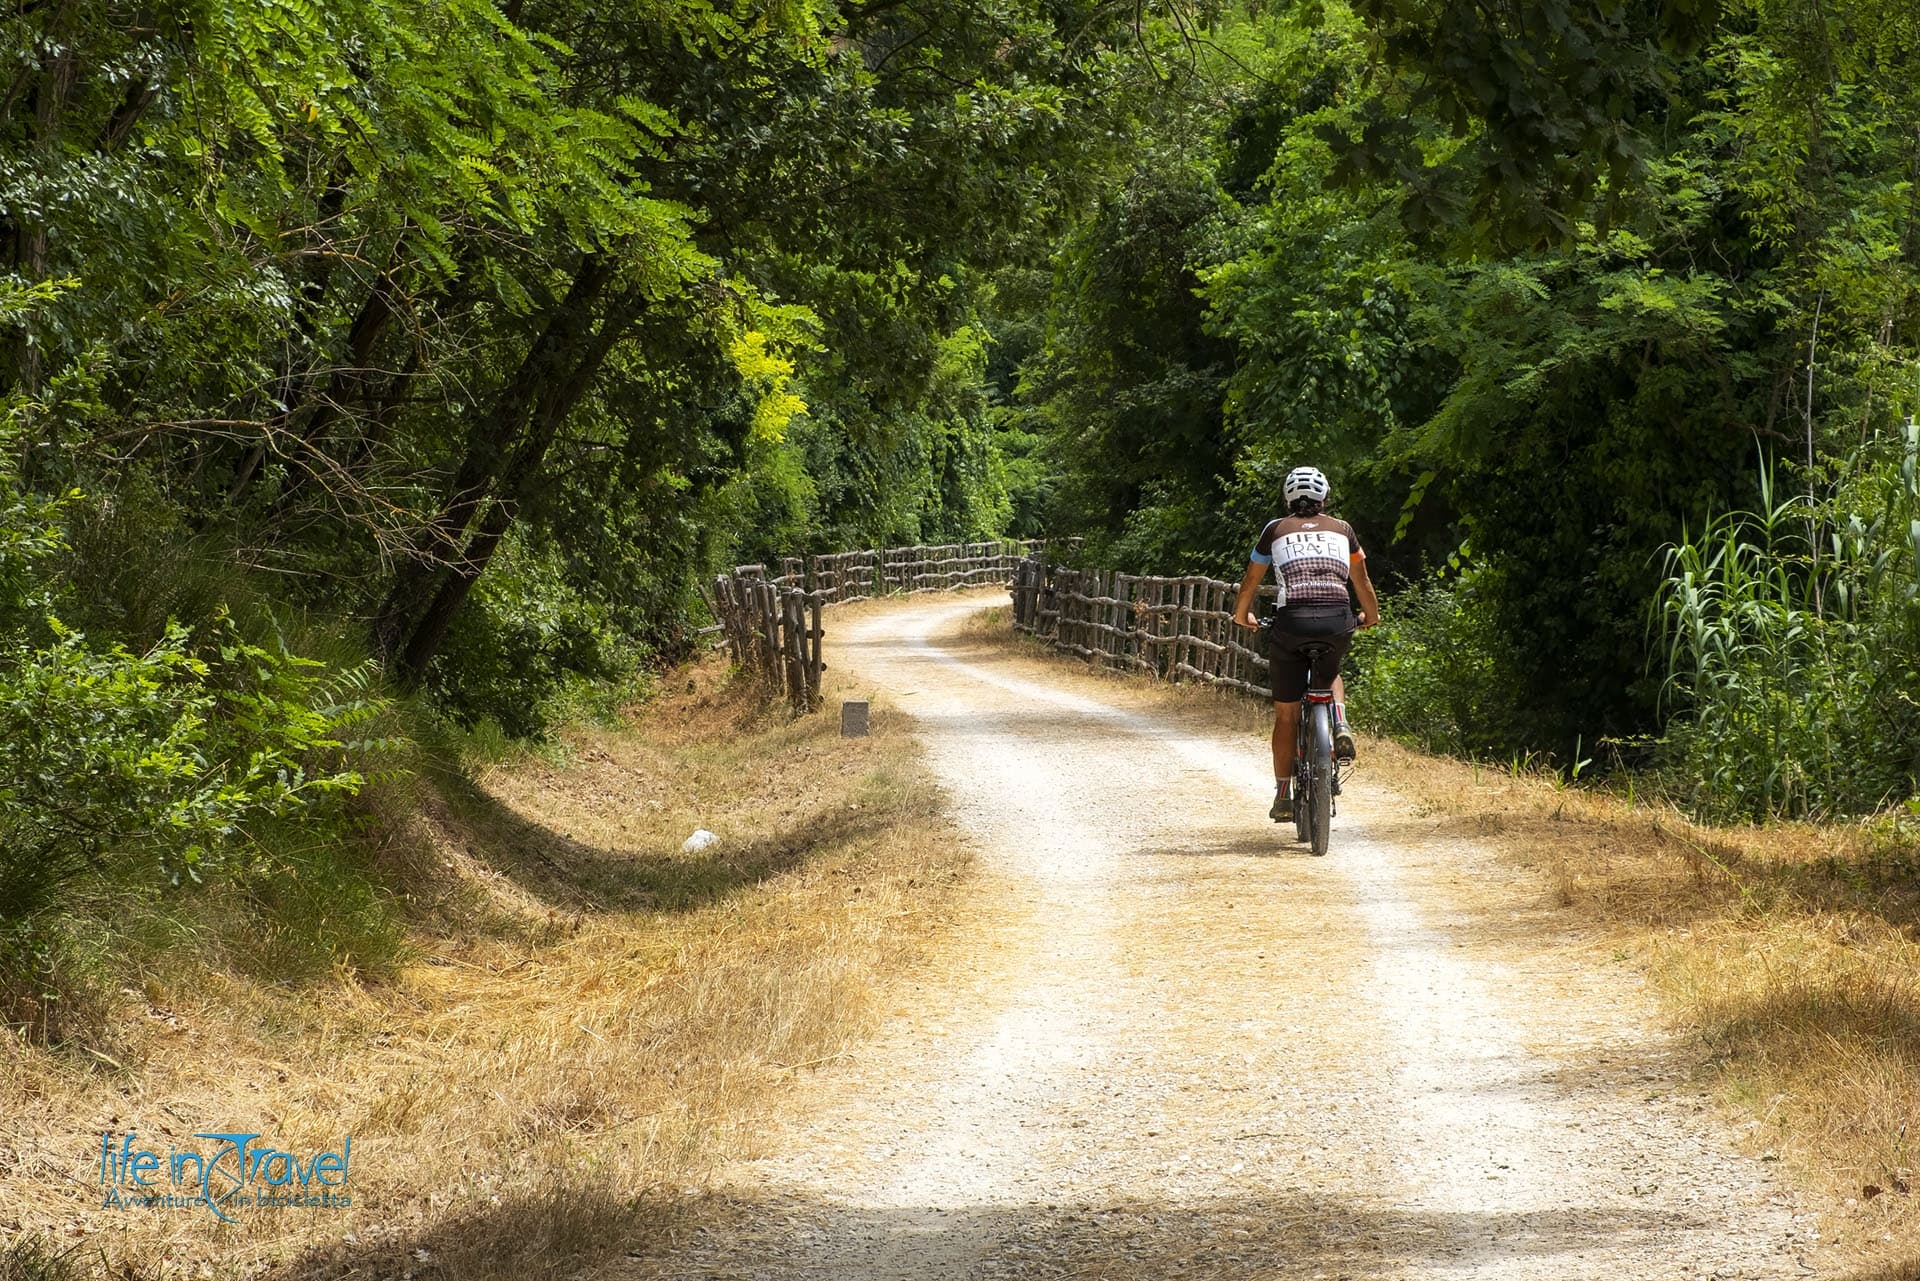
1329, 625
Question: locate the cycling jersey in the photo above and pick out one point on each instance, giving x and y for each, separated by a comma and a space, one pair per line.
1312, 557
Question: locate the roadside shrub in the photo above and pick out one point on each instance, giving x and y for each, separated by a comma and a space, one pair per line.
1432, 673
157, 766
149, 761
524, 644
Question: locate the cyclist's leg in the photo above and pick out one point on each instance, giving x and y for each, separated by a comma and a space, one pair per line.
1342, 736
1288, 676
1286, 730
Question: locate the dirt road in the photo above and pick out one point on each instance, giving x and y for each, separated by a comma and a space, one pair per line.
1169, 1043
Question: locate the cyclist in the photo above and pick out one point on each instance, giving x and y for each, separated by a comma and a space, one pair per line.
1316, 557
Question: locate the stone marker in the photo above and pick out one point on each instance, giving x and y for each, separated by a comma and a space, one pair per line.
853, 718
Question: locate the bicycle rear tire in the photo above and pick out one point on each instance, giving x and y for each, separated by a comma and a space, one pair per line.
1302, 784
1320, 770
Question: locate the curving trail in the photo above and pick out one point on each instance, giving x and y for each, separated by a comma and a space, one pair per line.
1168, 1043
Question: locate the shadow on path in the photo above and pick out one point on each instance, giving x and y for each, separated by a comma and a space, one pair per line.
1287, 1234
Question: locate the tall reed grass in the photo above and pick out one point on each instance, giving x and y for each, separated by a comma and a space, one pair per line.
1792, 647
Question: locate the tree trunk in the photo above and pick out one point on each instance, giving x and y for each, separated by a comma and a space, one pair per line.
552, 360
455, 585
120, 125
555, 405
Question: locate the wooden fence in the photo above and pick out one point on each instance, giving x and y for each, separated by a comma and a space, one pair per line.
773, 630
851, 576
772, 622
1174, 628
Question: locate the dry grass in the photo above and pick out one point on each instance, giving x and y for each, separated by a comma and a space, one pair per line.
1789, 953
1787, 945
593, 1019
990, 624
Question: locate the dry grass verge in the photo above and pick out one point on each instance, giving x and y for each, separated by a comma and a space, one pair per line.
593, 1017
1788, 953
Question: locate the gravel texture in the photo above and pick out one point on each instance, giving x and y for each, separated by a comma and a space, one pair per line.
1166, 1042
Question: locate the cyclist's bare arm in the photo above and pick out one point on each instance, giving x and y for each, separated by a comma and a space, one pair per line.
1363, 588
1249, 584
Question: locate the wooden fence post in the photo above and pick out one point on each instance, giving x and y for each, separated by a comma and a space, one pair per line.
1213, 632
801, 689
815, 635
1162, 629
1182, 589
769, 603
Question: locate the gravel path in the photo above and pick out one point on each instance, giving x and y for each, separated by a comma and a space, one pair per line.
1166, 1042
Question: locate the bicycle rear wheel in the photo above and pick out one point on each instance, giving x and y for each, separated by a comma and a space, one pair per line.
1320, 770
1302, 785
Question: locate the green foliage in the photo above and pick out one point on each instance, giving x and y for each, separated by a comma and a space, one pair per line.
868, 476
1129, 379
1553, 101
1531, 281
1228, 314
146, 764
1434, 673
1793, 650
526, 640
158, 763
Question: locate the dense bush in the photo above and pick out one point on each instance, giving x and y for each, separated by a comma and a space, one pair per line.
150, 765
153, 764
526, 639
1433, 673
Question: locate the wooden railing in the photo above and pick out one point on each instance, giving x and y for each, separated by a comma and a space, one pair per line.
1174, 628
772, 622
773, 630
851, 576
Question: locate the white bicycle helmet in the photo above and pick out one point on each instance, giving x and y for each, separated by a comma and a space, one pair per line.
1306, 482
